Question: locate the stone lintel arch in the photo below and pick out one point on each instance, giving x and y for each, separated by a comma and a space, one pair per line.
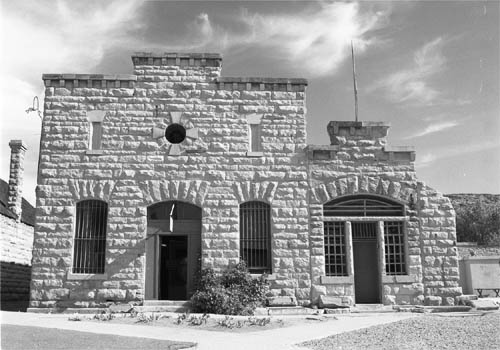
255, 191
399, 191
91, 189
189, 191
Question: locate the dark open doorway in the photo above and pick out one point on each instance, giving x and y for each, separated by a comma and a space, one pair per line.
173, 267
366, 271
173, 248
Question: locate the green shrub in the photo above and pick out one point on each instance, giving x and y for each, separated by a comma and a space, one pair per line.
233, 292
479, 223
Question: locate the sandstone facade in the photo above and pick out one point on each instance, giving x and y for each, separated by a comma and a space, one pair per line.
16, 235
217, 167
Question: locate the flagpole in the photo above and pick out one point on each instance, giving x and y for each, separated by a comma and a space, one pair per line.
354, 81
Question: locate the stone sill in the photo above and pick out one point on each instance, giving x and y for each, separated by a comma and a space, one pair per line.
270, 277
337, 279
87, 276
255, 154
479, 258
94, 152
399, 279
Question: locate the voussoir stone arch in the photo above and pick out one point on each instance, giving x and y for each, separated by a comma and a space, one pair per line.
248, 191
191, 191
351, 185
87, 189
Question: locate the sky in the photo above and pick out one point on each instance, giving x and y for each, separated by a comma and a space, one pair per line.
430, 68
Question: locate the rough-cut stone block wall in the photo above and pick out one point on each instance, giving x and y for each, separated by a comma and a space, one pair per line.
15, 255
214, 170
438, 243
16, 241
135, 170
359, 162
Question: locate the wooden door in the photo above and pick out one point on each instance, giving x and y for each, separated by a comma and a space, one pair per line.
366, 271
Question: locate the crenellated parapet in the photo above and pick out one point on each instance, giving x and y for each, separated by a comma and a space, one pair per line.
359, 141
95, 81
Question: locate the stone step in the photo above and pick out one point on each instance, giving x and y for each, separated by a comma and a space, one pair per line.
289, 310
367, 308
165, 308
185, 303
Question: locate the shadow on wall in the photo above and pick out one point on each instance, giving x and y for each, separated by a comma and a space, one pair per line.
15, 286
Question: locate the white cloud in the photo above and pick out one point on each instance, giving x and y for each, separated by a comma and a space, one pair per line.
431, 157
50, 37
433, 128
315, 41
414, 84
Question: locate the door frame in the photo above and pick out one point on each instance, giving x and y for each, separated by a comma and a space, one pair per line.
157, 228
379, 256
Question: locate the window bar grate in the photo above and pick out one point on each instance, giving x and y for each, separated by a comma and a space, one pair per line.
364, 231
255, 236
90, 237
394, 248
335, 252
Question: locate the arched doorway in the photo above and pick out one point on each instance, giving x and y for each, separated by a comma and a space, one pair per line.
173, 248
364, 236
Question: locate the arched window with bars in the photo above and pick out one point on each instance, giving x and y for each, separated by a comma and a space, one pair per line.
90, 237
255, 236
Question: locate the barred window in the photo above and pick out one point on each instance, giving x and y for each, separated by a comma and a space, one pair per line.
90, 236
394, 248
335, 249
255, 236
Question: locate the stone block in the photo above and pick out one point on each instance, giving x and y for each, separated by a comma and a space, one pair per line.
419, 300
482, 304
463, 299
282, 301
449, 301
111, 294
330, 302
389, 300
316, 292
120, 308
431, 300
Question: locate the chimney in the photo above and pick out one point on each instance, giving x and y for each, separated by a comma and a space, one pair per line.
18, 148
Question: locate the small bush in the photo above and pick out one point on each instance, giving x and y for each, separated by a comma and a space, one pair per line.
233, 292
75, 317
104, 316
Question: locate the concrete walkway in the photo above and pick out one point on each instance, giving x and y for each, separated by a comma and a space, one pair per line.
275, 339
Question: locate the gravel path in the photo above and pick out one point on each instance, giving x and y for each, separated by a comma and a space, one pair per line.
429, 331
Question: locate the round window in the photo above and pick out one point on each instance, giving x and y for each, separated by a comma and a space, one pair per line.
175, 133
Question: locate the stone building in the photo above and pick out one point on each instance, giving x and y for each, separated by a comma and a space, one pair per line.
17, 221
141, 176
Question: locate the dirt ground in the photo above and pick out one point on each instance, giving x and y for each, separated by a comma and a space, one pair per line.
37, 338
237, 324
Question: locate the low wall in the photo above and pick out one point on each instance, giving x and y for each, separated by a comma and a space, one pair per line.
480, 272
15, 287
